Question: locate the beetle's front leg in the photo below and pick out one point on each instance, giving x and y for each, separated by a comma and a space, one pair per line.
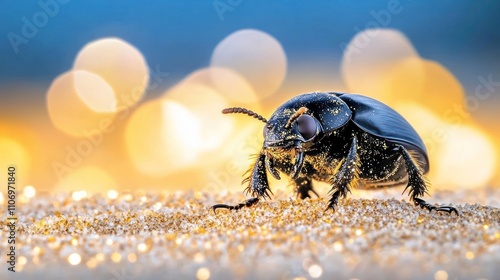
257, 185
418, 183
345, 176
249, 202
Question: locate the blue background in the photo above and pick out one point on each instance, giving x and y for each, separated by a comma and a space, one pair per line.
180, 35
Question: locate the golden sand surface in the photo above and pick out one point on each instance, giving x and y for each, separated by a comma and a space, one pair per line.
146, 235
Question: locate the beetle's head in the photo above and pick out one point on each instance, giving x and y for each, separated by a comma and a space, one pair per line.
290, 129
287, 131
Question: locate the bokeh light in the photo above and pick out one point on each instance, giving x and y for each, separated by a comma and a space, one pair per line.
14, 154
112, 194
315, 271
370, 56
94, 92
120, 64
78, 195
203, 273
256, 55
74, 259
206, 105
68, 110
229, 83
465, 159
461, 156
90, 178
29, 192
162, 136
425, 82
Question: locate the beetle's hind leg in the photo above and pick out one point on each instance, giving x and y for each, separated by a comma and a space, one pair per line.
249, 202
303, 188
417, 183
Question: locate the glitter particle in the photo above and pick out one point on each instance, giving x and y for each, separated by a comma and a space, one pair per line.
99, 257
337, 246
157, 206
29, 192
199, 257
469, 255
184, 233
203, 273
142, 247
116, 257
112, 194
79, 195
74, 259
178, 241
441, 275
91, 263
22, 260
315, 271
132, 257
37, 250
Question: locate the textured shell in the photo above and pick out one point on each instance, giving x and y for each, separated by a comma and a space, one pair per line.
328, 109
376, 118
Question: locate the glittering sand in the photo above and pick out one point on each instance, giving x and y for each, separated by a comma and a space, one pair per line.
170, 236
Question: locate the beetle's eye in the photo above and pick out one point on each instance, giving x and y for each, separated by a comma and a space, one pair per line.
306, 126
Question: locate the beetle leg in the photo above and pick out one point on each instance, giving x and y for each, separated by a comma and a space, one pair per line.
422, 203
346, 176
249, 202
299, 162
302, 187
257, 181
417, 183
270, 167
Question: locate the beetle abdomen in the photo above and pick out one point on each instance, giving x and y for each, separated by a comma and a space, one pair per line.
378, 119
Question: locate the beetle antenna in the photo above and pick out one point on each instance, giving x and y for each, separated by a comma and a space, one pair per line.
239, 110
295, 116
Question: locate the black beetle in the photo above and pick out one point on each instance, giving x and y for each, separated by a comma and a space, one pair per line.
346, 139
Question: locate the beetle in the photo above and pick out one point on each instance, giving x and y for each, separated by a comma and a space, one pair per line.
348, 140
